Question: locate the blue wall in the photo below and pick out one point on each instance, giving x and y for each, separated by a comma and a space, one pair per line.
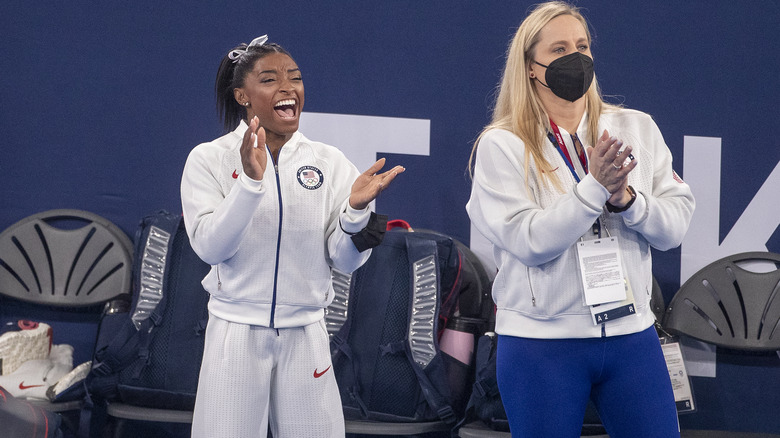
102, 101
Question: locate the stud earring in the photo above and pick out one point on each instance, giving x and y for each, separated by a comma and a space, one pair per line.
246, 103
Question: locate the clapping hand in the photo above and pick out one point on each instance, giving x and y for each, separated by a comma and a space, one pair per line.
370, 184
253, 154
607, 163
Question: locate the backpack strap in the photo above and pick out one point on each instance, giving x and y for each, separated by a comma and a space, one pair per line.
340, 347
422, 338
486, 381
337, 311
485, 386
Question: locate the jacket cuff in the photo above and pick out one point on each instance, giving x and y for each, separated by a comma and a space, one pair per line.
637, 212
352, 221
592, 193
249, 183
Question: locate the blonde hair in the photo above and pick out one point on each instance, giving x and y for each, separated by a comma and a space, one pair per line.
518, 108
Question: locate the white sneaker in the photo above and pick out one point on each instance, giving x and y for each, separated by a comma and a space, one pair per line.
34, 377
22, 341
75, 376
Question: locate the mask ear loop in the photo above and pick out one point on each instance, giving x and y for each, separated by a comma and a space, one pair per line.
537, 79
545, 66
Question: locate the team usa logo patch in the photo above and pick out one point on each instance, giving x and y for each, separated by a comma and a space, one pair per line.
310, 177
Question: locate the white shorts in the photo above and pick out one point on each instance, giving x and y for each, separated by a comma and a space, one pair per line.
252, 376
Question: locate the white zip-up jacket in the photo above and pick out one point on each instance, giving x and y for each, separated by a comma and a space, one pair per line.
538, 291
271, 243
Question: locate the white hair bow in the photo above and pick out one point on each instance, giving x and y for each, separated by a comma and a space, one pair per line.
234, 55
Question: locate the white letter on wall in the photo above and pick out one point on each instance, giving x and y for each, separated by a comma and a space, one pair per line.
361, 137
701, 246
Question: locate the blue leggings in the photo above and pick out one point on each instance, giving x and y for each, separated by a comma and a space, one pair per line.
545, 385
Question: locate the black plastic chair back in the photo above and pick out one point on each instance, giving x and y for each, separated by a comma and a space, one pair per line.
65, 258
729, 306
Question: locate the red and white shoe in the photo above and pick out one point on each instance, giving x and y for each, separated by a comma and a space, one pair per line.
34, 377
22, 341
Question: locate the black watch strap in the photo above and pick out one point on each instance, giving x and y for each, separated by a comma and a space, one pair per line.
612, 209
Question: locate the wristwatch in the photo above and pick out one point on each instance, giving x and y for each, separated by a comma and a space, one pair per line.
612, 209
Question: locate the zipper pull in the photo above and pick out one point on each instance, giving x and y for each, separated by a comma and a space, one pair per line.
276, 168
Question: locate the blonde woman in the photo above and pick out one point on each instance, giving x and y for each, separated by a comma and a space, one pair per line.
572, 193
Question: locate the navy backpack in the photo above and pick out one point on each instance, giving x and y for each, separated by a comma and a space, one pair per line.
386, 322
150, 355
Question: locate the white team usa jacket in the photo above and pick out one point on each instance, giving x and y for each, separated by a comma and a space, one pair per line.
271, 243
538, 291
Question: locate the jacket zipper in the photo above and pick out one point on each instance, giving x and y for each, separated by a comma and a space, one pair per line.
219, 280
278, 242
530, 288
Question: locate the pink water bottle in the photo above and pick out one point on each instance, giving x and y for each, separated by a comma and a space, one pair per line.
457, 340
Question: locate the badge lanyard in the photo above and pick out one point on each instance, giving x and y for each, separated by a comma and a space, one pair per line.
557, 139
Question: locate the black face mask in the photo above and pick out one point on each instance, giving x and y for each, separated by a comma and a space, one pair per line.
570, 76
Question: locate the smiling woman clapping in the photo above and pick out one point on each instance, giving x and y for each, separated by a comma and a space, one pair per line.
272, 211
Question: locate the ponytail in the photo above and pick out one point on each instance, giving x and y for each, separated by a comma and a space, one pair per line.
230, 112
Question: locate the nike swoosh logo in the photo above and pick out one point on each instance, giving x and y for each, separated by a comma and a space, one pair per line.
235, 174
22, 386
318, 375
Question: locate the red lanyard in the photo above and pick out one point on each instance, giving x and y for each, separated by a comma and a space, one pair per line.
565, 152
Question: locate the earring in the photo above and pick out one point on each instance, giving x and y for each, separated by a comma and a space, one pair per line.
246, 103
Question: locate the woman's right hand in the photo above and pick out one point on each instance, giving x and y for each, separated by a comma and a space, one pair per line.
602, 159
253, 155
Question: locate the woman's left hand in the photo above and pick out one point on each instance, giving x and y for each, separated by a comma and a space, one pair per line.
369, 184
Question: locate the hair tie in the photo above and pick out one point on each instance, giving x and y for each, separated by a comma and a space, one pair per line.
234, 55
